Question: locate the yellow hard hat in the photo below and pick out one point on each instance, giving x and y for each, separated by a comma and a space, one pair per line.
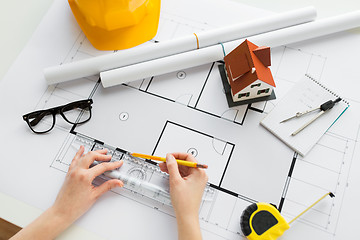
117, 24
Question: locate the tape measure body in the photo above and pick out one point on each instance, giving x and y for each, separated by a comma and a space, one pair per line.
262, 221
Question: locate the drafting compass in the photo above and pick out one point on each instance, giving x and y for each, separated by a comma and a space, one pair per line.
323, 108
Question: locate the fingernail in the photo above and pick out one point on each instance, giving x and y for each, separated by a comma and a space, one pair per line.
169, 157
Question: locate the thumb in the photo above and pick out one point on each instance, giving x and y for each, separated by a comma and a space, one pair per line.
108, 185
172, 166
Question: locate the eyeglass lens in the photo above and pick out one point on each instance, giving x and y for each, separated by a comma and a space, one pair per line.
76, 114
42, 121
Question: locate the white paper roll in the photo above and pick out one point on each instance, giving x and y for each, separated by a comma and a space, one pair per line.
95, 65
215, 53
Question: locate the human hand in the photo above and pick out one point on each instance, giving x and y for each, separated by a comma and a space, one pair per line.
78, 193
75, 197
187, 185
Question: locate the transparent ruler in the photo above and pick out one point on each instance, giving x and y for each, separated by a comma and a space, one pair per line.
140, 176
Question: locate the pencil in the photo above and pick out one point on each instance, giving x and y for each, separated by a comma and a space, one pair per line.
180, 162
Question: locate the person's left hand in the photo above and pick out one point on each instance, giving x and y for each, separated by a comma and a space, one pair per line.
78, 193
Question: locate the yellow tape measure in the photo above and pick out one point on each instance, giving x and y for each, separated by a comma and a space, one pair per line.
263, 221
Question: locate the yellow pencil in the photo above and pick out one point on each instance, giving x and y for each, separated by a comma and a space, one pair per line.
180, 162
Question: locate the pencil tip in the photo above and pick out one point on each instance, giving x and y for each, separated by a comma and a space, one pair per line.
202, 166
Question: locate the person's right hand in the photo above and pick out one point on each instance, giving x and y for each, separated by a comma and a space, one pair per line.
187, 185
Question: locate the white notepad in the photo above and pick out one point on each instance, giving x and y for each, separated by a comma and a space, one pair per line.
306, 94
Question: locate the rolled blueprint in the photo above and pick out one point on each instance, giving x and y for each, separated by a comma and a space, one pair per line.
216, 52
95, 65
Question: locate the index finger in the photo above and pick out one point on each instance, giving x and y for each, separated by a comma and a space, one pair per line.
184, 170
184, 156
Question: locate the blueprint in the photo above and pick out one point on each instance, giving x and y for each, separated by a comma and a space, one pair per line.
185, 111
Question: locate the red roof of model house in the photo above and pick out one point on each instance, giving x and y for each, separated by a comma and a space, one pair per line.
246, 64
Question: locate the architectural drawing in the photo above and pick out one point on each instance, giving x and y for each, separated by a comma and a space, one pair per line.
187, 111
150, 113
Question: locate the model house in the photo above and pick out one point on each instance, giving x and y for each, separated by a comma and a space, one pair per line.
246, 74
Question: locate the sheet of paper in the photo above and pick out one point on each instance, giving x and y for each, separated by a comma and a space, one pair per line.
304, 96
145, 116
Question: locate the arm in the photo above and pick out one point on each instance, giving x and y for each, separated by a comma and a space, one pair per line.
186, 189
75, 197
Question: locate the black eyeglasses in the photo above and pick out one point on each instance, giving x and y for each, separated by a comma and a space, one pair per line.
43, 121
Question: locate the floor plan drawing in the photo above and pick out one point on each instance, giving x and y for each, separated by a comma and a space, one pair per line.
186, 111
150, 113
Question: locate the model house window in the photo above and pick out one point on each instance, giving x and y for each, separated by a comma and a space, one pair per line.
244, 95
255, 85
263, 91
